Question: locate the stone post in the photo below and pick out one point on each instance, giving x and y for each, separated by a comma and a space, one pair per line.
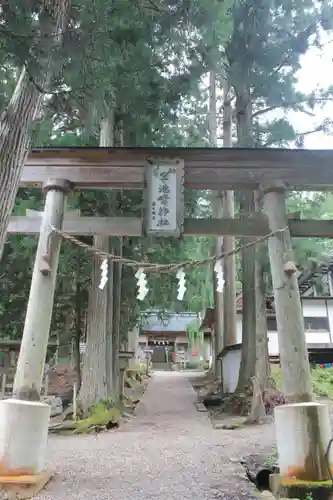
121, 380
133, 345
303, 432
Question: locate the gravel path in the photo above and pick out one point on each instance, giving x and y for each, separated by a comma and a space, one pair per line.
169, 451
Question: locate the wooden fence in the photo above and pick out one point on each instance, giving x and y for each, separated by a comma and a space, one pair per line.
7, 382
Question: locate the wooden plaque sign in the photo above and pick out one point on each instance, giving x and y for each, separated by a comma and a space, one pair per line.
164, 203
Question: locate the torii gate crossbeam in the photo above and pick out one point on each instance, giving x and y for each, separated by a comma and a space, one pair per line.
205, 168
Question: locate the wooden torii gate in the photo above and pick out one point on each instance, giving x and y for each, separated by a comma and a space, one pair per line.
234, 169
60, 170
271, 170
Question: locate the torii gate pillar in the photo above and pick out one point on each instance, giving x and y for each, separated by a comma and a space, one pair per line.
30, 367
23, 419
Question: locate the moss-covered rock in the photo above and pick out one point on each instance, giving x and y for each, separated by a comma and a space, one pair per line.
101, 418
135, 373
306, 490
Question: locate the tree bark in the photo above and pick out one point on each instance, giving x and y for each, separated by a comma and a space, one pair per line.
218, 302
257, 412
292, 343
98, 385
109, 326
24, 107
248, 359
116, 318
94, 386
78, 322
262, 358
217, 213
117, 288
229, 263
108, 138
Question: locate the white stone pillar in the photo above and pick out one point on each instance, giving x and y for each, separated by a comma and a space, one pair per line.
23, 437
303, 432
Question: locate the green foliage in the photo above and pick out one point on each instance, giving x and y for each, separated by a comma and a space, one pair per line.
306, 250
262, 58
194, 334
272, 458
322, 380
125, 63
148, 68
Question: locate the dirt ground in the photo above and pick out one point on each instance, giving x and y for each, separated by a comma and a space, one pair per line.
169, 451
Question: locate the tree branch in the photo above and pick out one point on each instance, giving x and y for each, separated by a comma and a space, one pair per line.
319, 128
158, 9
272, 108
33, 36
39, 87
291, 105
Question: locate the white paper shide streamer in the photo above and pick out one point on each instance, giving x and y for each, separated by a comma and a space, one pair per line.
104, 274
218, 268
142, 284
181, 284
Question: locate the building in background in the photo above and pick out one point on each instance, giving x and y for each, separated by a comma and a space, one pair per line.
167, 335
316, 289
318, 322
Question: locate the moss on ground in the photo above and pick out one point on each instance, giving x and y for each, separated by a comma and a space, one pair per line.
307, 485
101, 416
306, 490
106, 414
233, 426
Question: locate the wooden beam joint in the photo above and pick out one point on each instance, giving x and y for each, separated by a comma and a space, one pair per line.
272, 187
57, 185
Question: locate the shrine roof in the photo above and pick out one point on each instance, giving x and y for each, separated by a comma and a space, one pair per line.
167, 322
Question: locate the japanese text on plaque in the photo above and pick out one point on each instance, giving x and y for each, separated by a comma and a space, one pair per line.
164, 192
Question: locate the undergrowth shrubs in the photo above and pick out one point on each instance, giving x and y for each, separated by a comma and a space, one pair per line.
322, 380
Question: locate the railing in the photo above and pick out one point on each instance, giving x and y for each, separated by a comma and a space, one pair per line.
7, 383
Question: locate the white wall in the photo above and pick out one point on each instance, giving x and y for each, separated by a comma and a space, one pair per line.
311, 308
230, 369
315, 308
239, 328
207, 349
329, 304
143, 339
